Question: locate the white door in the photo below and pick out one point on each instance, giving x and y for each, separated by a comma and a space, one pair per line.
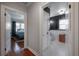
45, 32
8, 32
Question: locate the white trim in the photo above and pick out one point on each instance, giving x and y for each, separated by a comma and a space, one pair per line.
45, 4
13, 9
34, 52
76, 28
3, 7
40, 25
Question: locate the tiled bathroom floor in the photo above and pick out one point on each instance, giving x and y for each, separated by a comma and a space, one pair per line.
56, 49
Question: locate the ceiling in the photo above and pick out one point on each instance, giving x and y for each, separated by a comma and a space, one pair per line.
16, 16
27, 3
56, 6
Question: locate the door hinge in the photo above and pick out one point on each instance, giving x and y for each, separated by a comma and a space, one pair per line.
69, 6
4, 14
5, 49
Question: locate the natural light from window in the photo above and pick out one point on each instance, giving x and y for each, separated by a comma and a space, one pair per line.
63, 24
19, 26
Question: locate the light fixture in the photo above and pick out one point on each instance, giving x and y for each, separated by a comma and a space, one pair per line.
61, 11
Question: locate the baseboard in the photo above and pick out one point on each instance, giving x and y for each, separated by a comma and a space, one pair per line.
34, 52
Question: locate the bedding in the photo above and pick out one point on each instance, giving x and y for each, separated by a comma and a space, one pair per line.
20, 34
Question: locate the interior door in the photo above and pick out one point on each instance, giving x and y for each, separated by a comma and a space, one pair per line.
8, 32
45, 32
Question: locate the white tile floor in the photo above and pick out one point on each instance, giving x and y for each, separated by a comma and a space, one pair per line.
56, 49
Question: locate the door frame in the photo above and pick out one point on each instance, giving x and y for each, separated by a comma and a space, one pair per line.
3, 7
73, 28
7, 44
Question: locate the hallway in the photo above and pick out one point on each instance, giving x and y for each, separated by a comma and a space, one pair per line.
35, 21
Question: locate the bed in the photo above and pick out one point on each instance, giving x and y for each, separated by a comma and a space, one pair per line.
20, 34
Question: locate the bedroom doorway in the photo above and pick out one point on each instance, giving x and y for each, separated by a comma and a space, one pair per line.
14, 40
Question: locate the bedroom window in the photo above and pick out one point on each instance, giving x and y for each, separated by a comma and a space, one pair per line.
19, 26
22, 26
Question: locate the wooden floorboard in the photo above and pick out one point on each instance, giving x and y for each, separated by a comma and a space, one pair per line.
17, 49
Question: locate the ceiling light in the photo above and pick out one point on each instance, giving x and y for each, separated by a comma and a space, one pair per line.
61, 11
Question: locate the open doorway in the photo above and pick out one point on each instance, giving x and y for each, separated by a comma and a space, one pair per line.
55, 29
14, 32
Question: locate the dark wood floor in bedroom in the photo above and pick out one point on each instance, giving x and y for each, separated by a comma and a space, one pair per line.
17, 49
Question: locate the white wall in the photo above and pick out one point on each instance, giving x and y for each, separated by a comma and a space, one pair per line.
33, 27
15, 6
0, 30
33, 16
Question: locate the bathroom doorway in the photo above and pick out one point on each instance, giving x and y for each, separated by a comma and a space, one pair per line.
55, 28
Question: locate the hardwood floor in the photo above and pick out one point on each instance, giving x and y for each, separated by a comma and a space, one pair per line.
17, 49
